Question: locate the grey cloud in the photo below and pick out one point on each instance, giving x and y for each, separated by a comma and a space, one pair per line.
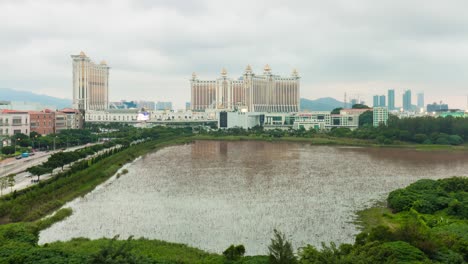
337, 44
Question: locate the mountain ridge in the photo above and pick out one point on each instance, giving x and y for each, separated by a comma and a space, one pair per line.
8, 94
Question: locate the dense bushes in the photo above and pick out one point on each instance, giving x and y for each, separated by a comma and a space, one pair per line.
420, 130
430, 196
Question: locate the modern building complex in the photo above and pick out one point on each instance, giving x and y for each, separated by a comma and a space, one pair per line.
90, 84
240, 119
164, 105
407, 106
318, 120
254, 93
435, 107
391, 99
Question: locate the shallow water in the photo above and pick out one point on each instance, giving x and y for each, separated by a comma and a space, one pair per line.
211, 194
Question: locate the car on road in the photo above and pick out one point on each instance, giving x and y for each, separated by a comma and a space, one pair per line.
18, 157
32, 154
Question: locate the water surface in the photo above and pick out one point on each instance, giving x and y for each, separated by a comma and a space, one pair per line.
211, 194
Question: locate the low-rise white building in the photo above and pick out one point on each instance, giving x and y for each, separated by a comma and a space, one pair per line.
14, 122
244, 120
131, 116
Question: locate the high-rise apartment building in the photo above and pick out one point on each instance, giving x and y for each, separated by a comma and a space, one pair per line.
255, 93
421, 100
379, 100
380, 116
407, 106
375, 101
382, 101
90, 83
391, 99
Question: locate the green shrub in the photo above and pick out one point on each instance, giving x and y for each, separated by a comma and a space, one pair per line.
233, 253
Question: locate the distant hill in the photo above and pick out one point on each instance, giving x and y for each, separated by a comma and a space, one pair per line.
321, 104
25, 96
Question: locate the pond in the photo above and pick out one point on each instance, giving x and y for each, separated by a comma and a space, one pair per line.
211, 194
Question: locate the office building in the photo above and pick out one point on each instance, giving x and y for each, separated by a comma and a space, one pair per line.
164, 105
407, 106
376, 101
435, 107
391, 99
90, 83
244, 120
187, 106
420, 100
254, 93
380, 116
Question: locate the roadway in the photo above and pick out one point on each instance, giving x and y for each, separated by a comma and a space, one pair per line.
24, 179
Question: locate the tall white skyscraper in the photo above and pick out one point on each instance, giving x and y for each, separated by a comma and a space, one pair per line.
90, 83
420, 100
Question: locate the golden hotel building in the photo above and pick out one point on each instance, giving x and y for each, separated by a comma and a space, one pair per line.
255, 93
90, 83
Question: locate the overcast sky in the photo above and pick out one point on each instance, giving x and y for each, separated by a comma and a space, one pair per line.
153, 46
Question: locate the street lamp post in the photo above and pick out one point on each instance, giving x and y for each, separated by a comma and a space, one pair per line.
54, 142
17, 142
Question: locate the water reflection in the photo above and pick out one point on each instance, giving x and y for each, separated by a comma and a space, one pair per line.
212, 194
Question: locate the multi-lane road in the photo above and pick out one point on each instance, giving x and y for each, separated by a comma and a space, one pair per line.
19, 167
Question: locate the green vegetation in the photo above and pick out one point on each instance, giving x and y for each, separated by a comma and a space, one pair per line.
281, 251
420, 132
233, 253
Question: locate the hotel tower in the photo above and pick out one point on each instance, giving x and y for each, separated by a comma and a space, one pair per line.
90, 83
256, 93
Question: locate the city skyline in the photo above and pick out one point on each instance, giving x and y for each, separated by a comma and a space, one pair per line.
415, 48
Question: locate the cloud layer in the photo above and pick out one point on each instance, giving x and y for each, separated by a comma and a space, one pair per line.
359, 47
